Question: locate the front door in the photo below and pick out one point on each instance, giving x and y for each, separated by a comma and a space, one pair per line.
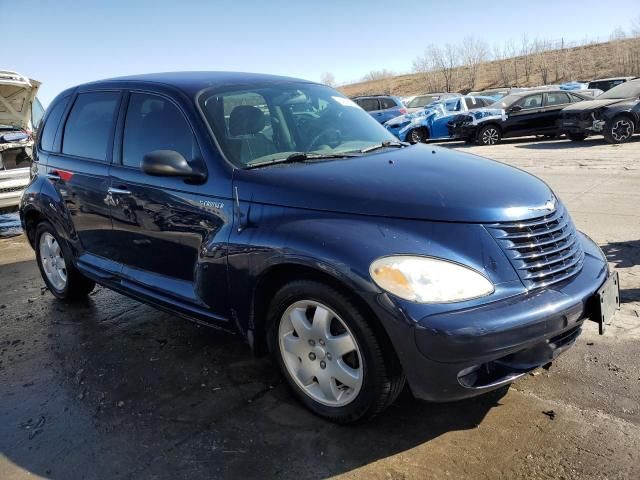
164, 226
526, 120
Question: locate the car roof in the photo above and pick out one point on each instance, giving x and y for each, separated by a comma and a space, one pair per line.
612, 78
194, 81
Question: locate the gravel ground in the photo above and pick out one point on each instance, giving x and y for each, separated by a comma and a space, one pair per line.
115, 389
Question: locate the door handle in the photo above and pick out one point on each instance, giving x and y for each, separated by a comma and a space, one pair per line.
118, 191
53, 176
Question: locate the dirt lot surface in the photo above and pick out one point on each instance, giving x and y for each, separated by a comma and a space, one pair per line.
113, 389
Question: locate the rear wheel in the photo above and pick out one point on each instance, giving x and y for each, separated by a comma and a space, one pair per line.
576, 137
417, 135
336, 364
63, 280
489, 135
619, 129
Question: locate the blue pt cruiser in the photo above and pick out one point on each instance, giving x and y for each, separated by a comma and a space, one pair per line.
278, 209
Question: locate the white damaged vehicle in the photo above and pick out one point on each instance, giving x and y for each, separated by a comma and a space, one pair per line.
20, 114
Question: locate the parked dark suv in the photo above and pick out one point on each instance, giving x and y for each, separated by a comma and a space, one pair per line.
278, 209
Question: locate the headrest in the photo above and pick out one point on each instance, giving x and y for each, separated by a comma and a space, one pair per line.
246, 120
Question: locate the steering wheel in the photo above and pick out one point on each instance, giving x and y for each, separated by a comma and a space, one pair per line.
337, 138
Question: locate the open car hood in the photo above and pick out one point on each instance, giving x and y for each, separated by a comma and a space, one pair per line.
17, 94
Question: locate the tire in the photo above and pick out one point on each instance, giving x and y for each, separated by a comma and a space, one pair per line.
417, 135
55, 262
489, 135
577, 137
308, 364
619, 129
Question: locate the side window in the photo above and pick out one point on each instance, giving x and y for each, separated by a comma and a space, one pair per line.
557, 98
88, 127
48, 134
368, 104
37, 112
386, 102
530, 102
575, 98
473, 102
154, 123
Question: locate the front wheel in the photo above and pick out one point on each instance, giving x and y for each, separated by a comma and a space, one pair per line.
417, 135
56, 266
619, 129
331, 357
489, 135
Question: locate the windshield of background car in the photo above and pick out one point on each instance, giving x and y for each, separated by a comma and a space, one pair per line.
422, 101
624, 90
264, 123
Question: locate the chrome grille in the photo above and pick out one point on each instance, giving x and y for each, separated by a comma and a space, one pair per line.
11, 189
544, 250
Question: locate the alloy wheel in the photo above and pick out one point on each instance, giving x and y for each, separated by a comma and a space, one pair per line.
490, 136
53, 264
320, 353
621, 130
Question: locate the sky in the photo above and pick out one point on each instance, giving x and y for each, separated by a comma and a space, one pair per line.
63, 43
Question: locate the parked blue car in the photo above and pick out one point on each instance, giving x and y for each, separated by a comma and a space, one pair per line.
381, 107
277, 209
431, 123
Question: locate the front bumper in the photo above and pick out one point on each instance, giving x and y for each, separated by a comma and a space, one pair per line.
462, 130
466, 352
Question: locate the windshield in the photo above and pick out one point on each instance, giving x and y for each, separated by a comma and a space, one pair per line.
263, 123
422, 101
624, 90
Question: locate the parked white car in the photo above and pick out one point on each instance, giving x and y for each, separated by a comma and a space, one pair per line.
20, 113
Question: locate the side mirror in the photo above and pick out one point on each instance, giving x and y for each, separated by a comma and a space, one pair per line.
169, 163
515, 108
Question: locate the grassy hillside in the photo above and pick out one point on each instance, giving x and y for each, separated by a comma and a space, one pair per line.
599, 60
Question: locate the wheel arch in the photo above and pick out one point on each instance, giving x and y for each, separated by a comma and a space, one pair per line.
276, 276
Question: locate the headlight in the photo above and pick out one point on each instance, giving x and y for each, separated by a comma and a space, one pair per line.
428, 280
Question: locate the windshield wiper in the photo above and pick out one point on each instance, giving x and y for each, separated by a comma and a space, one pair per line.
299, 157
390, 143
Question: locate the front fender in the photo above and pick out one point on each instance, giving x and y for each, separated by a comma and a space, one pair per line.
343, 247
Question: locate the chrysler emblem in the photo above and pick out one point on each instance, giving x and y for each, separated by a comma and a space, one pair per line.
549, 205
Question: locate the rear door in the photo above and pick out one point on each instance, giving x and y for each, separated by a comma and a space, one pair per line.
554, 102
371, 105
78, 168
525, 121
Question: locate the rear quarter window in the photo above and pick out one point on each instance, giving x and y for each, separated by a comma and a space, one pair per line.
52, 121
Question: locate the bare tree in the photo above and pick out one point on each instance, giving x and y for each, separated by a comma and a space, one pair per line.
328, 79
541, 59
473, 53
618, 34
445, 62
526, 49
511, 52
635, 27
502, 66
423, 65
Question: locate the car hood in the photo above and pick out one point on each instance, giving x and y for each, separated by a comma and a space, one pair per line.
417, 182
19, 93
593, 104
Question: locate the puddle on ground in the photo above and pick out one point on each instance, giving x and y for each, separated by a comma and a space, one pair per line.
10, 225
